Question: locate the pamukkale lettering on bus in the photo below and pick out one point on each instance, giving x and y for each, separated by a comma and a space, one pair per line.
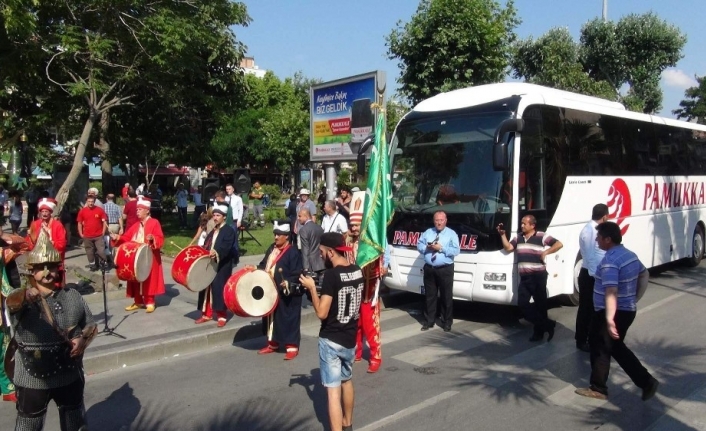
672, 195
410, 239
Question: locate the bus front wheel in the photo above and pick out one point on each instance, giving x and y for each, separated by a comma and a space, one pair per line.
697, 244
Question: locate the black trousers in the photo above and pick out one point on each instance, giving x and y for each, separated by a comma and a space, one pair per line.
438, 282
534, 286
182, 216
585, 311
603, 347
34, 402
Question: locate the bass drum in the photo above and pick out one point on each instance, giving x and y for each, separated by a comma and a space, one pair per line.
250, 293
193, 268
133, 261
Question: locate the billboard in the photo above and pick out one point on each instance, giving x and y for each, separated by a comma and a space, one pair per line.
342, 115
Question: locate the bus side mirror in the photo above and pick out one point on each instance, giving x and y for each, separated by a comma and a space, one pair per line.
370, 140
511, 125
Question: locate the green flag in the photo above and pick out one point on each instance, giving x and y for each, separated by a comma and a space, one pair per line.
378, 200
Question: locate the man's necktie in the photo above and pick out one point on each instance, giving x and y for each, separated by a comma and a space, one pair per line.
433, 256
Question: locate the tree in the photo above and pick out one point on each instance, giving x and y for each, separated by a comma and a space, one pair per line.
609, 56
450, 44
554, 60
693, 108
107, 55
268, 127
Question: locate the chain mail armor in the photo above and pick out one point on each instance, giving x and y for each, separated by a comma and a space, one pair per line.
41, 357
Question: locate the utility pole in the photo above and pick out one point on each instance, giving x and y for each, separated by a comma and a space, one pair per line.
605, 10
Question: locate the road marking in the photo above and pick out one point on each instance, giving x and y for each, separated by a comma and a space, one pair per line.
428, 354
408, 411
667, 299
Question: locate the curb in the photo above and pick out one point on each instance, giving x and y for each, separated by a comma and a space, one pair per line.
111, 357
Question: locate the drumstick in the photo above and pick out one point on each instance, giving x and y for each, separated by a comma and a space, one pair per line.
172, 243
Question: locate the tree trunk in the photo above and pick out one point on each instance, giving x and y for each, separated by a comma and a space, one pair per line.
104, 147
63, 193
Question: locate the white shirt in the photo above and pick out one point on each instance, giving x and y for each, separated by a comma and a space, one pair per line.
334, 223
236, 203
590, 252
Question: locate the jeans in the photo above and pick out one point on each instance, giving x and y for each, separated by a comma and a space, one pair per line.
336, 363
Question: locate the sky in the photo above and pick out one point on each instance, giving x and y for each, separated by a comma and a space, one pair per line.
333, 39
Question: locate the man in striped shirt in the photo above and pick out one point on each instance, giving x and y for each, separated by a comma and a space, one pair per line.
615, 304
532, 249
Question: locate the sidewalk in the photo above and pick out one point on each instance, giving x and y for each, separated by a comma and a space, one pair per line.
170, 330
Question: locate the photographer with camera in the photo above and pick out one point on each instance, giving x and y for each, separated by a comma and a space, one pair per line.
337, 337
284, 264
439, 245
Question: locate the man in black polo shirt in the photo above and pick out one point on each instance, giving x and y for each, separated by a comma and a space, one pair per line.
531, 252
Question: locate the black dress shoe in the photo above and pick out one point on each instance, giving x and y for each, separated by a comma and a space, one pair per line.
537, 336
426, 326
584, 347
650, 390
550, 331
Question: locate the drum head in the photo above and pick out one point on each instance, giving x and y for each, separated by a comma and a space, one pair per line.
256, 294
201, 273
143, 263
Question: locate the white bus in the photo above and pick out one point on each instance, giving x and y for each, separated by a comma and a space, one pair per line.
493, 153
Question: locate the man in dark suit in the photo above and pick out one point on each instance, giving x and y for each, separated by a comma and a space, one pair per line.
308, 242
220, 244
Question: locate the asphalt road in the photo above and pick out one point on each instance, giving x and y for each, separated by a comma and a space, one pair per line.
484, 375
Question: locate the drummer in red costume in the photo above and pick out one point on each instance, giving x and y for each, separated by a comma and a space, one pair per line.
284, 264
220, 243
53, 227
147, 231
369, 322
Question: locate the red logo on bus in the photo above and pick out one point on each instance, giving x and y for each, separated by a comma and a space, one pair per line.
619, 204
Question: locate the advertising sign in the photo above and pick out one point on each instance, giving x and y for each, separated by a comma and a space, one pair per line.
342, 115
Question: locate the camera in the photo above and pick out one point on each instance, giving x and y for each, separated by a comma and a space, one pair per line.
298, 289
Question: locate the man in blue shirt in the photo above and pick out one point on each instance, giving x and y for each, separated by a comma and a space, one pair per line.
439, 245
591, 255
615, 303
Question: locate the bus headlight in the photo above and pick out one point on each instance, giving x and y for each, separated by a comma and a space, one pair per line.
494, 286
495, 276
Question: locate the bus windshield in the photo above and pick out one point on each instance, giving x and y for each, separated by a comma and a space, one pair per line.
445, 162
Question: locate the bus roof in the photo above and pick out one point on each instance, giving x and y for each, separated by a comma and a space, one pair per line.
482, 94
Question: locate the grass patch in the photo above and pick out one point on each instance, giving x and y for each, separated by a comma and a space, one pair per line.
176, 238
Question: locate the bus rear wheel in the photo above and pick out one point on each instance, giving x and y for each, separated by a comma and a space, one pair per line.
697, 244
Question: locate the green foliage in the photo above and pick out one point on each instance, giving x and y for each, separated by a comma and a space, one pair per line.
450, 44
693, 108
268, 127
169, 204
98, 185
273, 191
165, 71
554, 60
632, 52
